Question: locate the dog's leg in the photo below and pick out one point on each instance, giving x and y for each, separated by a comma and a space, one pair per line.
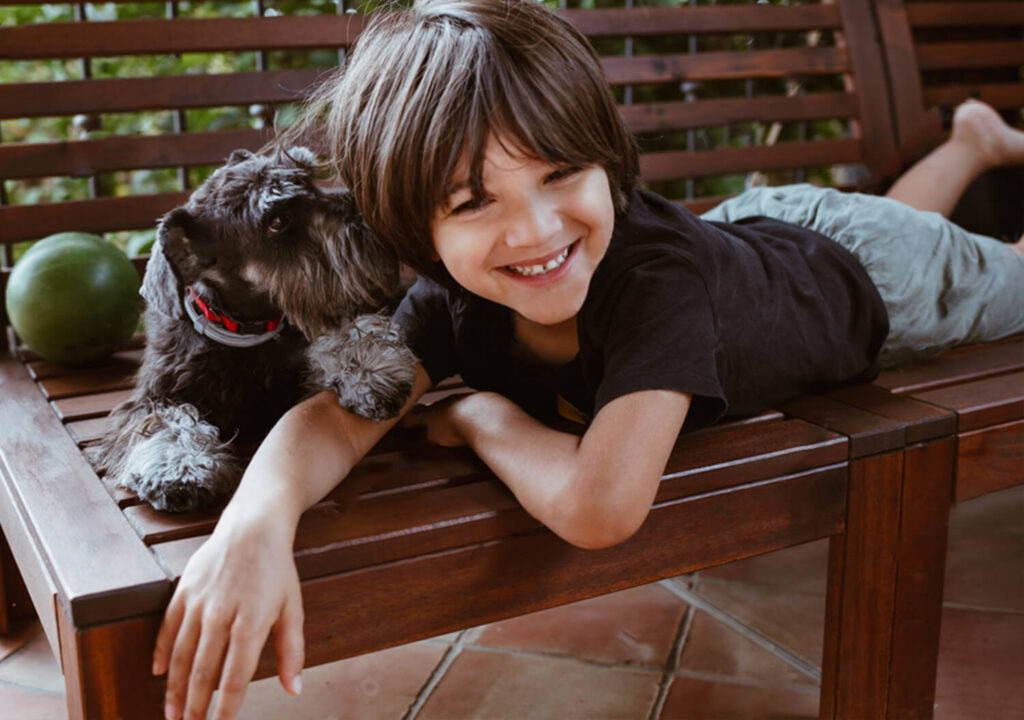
366, 364
173, 459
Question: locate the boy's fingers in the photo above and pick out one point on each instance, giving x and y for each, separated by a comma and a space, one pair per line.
167, 634
180, 666
205, 674
289, 644
239, 667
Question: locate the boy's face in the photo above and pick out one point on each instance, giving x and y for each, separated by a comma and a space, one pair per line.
532, 244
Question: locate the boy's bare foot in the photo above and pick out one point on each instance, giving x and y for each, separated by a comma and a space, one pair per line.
979, 126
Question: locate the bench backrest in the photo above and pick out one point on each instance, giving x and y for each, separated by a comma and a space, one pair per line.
109, 123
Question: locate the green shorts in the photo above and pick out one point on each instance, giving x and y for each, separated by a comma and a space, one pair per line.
941, 285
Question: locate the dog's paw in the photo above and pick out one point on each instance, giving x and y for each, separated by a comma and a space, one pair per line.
367, 365
180, 464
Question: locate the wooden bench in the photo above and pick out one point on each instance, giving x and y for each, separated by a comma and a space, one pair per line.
422, 541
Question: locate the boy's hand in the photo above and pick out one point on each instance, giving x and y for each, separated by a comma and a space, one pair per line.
440, 420
240, 585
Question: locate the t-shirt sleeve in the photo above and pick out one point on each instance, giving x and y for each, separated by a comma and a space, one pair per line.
425, 320
655, 327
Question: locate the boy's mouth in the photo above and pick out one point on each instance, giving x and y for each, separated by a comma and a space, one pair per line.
542, 266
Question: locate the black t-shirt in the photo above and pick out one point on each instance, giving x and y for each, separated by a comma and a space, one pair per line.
741, 315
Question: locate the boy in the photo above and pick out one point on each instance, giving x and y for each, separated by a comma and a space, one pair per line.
480, 138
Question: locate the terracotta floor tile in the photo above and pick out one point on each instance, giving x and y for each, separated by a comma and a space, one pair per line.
631, 627
794, 620
983, 566
495, 685
980, 659
714, 648
801, 568
34, 666
692, 698
380, 685
21, 704
17, 636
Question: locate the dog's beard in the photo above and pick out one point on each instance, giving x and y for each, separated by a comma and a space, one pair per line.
319, 292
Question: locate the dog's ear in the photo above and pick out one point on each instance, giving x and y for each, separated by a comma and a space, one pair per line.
238, 156
301, 156
170, 265
368, 263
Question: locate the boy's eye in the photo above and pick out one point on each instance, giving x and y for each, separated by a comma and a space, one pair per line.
469, 206
563, 172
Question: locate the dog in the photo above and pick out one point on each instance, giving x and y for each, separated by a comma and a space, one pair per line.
260, 290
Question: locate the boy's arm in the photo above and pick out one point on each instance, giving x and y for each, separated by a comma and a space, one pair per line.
242, 582
593, 491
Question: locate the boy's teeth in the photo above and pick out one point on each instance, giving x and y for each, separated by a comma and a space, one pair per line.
550, 265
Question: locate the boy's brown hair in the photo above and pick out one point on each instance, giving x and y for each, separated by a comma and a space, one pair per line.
424, 87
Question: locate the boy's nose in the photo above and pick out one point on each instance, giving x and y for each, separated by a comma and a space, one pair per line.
535, 223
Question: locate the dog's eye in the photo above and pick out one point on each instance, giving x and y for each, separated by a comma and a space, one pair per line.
277, 224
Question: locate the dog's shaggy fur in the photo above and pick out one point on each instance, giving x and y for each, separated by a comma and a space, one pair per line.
258, 238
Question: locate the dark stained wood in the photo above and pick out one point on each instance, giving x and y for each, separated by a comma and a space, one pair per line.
724, 65
858, 673
367, 609
1004, 96
106, 670
982, 402
962, 55
54, 496
180, 35
665, 116
860, 37
869, 434
134, 212
105, 380
921, 568
90, 157
86, 431
962, 365
915, 128
616, 22
921, 421
990, 459
83, 407
670, 165
961, 14
40, 586
123, 362
110, 95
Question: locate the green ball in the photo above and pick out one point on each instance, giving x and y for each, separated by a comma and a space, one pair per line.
73, 298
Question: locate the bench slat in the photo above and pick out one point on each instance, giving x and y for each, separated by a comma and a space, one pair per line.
971, 363
682, 115
1004, 96
639, 22
180, 35
133, 212
382, 528
776, 63
83, 407
83, 158
982, 403
961, 14
962, 55
683, 163
110, 95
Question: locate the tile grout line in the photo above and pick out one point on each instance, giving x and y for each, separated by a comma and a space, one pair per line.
435, 677
784, 654
29, 688
555, 655
669, 674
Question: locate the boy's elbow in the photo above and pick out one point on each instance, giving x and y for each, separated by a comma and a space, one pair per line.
597, 525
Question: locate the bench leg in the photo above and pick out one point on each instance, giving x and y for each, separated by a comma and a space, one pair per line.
106, 670
884, 598
15, 603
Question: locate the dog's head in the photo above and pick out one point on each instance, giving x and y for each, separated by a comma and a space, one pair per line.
260, 236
